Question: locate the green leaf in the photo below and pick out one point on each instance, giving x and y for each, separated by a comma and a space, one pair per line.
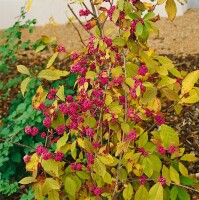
189, 81
174, 193
189, 157
99, 167
187, 180
156, 192
139, 28
174, 175
70, 186
182, 194
119, 42
24, 84
142, 193
128, 192
27, 180
23, 69
171, 9
149, 95
149, 15
168, 136
52, 60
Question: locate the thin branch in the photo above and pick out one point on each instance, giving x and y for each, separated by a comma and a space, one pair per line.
76, 30
78, 18
18, 144
94, 15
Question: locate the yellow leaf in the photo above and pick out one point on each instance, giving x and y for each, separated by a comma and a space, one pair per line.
33, 163
130, 82
189, 81
147, 166
166, 174
128, 192
28, 5
99, 167
52, 167
62, 141
50, 184
40, 48
52, 75
169, 136
125, 127
171, 94
53, 195
60, 93
116, 108
174, 175
73, 150
108, 100
52, 60
171, 9
102, 17
183, 170
70, 186
23, 69
24, 84
107, 178
90, 75
106, 159
39, 97
149, 95
141, 193
38, 191
161, 2
27, 180
117, 71
88, 145
189, 157
156, 192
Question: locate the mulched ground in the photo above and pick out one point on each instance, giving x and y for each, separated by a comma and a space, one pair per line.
179, 40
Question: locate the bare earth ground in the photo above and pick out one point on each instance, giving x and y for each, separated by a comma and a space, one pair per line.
179, 40
178, 37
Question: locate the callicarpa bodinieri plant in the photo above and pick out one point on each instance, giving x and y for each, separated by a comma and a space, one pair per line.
111, 140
